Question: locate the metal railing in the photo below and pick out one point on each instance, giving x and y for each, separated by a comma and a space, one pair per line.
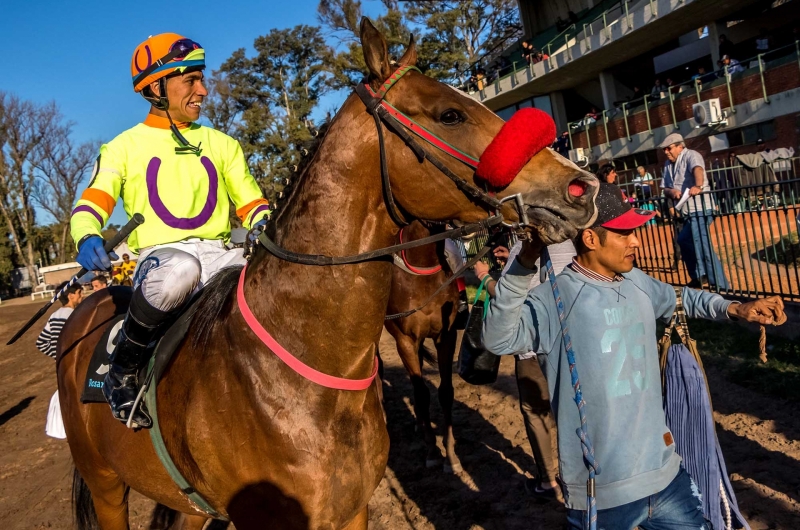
558, 44
696, 87
740, 241
743, 236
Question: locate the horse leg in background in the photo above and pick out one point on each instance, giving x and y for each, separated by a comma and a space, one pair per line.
445, 350
408, 349
360, 522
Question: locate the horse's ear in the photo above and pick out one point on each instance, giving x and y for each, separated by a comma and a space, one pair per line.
376, 53
410, 57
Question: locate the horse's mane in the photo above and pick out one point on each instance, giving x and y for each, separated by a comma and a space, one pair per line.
215, 301
216, 297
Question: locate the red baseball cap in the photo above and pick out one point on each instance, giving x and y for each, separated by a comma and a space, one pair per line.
615, 212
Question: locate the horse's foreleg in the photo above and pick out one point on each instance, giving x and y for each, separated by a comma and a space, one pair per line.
110, 497
408, 349
193, 522
445, 350
360, 522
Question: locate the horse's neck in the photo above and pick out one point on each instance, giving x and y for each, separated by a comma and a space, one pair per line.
330, 317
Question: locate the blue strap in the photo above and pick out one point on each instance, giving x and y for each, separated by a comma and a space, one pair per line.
590, 518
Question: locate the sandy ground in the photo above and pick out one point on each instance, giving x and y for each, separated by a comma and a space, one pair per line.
760, 437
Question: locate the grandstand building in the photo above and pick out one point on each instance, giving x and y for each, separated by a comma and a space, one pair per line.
601, 59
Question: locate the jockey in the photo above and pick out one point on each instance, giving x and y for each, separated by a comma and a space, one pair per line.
179, 176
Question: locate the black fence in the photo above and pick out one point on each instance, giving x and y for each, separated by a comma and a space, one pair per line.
739, 240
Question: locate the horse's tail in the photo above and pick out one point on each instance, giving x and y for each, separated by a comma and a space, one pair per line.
82, 504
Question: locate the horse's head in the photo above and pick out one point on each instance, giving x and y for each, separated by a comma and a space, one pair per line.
558, 196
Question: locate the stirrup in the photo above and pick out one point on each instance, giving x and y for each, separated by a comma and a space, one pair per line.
124, 406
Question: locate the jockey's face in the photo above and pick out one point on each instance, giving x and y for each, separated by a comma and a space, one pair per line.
186, 93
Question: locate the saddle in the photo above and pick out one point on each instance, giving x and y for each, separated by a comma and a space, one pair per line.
172, 337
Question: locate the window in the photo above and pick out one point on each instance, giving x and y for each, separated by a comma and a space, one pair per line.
751, 134
507, 112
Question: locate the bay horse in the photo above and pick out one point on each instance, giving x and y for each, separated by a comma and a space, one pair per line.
436, 320
263, 445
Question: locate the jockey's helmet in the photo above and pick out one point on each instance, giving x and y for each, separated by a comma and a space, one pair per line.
162, 55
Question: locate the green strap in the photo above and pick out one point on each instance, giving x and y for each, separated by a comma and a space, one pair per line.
478, 295
161, 450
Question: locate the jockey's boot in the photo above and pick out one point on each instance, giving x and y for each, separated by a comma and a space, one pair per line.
132, 351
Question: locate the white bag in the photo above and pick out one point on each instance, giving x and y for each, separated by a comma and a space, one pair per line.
55, 425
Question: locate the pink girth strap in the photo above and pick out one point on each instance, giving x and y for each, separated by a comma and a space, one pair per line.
422, 271
293, 362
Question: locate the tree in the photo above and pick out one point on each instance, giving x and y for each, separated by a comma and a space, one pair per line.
60, 167
266, 101
451, 34
342, 19
458, 33
23, 126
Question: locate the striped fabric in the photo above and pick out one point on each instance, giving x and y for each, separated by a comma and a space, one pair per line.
48, 338
577, 267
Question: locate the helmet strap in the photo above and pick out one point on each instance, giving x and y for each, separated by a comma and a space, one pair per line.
161, 102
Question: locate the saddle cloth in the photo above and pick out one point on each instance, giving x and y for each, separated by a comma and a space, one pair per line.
163, 351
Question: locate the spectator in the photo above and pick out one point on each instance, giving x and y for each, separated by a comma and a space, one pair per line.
725, 46
480, 78
127, 267
541, 56
591, 116
573, 18
643, 181
658, 90
609, 306
561, 145
46, 343
607, 173
527, 52
685, 170
637, 94
99, 282
534, 398
731, 66
763, 41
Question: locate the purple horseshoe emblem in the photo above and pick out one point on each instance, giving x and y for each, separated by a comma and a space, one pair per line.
149, 59
183, 223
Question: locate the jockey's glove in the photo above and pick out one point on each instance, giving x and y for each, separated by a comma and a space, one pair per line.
252, 236
92, 256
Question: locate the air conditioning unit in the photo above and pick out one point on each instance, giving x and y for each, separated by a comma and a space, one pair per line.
580, 155
708, 112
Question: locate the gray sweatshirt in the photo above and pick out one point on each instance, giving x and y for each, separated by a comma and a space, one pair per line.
613, 330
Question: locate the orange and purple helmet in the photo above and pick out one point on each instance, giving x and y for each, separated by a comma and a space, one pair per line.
161, 55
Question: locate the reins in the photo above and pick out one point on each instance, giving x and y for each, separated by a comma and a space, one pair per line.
397, 122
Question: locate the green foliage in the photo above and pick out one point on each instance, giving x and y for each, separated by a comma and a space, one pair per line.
450, 35
734, 349
266, 101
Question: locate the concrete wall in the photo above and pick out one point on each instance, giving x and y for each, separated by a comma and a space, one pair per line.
782, 87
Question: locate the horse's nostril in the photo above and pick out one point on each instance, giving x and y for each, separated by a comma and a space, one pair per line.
577, 188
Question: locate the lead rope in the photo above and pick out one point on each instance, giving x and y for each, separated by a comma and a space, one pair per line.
590, 519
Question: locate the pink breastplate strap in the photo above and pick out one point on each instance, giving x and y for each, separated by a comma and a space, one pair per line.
293, 362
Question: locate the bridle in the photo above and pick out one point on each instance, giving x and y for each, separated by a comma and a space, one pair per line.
399, 123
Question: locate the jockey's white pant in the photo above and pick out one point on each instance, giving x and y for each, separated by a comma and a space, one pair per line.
453, 254
169, 274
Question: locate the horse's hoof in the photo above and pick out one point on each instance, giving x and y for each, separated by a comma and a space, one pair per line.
452, 469
432, 462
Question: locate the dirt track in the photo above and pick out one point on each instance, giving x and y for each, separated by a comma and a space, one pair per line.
760, 437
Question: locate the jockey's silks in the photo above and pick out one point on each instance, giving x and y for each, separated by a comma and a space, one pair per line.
612, 326
180, 194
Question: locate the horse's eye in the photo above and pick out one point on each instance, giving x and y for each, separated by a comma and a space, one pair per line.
451, 117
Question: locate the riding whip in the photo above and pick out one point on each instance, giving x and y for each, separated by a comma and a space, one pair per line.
120, 236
